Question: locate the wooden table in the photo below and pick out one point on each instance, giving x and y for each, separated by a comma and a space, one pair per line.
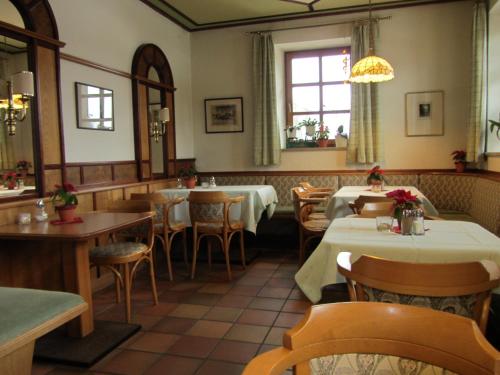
55, 257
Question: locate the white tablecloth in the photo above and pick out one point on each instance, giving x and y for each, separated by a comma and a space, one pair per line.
445, 241
339, 203
257, 199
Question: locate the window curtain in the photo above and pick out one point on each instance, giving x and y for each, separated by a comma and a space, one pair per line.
365, 140
477, 107
266, 133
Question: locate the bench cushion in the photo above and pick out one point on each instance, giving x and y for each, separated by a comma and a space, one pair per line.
392, 179
448, 192
22, 310
485, 204
240, 180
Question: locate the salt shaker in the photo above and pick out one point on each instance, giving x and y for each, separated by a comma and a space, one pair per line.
212, 182
179, 184
40, 214
418, 223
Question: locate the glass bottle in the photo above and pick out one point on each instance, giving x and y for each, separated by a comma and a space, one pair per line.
418, 222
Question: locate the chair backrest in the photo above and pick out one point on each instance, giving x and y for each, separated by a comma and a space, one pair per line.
368, 338
303, 203
459, 288
363, 199
374, 209
160, 202
208, 206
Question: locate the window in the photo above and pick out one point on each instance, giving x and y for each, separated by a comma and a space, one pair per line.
317, 87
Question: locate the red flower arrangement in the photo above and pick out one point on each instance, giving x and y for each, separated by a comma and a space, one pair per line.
10, 180
459, 156
64, 193
376, 173
404, 200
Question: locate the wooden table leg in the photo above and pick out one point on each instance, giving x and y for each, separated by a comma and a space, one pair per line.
77, 280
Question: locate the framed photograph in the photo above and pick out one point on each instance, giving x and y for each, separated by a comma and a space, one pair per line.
94, 107
224, 115
424, 113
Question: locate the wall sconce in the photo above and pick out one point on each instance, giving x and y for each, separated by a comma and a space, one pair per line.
14, 98
158, 125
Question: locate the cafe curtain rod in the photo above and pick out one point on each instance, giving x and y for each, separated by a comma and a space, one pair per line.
360, 20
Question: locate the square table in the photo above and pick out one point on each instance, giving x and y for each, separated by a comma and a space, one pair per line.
257, 199
445, 241
338, 206
56, 257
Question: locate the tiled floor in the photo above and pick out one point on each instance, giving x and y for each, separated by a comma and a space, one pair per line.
205, 326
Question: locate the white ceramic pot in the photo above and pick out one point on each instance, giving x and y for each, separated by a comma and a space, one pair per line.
340, 141
310, 130
291, 133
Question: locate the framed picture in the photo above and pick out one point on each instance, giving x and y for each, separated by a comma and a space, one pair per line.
424, 113
94, 107
224, 115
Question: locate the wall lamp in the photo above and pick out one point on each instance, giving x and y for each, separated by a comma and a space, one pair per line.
158, 125
14, 98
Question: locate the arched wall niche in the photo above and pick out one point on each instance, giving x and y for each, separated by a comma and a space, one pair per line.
146, 57
42, 36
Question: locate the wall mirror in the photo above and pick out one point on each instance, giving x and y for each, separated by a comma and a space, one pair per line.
157, 148
94, 107
16, 151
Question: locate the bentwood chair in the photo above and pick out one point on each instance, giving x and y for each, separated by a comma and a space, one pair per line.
123, 258
308, 188
166, 229
380, 338
458, 288
374, 209
209, 214
359, 202
311, 225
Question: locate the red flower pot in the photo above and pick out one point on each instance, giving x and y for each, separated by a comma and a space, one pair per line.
460, 167
322, 142
11, 185
190, 182
66, 213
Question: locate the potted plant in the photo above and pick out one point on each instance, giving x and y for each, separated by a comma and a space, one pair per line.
65, 201
189, 176
341, 137
22, 167
459, 158
291, 132
495, 124
310, 125
376, 178
404, 200
10, 180
322, 136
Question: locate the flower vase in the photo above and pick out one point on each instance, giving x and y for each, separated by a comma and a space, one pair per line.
190, 182
322, 142
460, 167
66, 213
11, 185
376, 186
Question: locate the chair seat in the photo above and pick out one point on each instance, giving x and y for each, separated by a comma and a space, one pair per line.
174, 226
118, 249
136, 231
217, 227
316, 225
317, 216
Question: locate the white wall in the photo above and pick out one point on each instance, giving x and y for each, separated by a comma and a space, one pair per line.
108, 33
428, 46
494, 83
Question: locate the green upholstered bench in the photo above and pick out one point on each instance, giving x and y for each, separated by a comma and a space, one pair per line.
25, 315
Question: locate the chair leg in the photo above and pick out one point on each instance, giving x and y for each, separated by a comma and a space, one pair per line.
225, 245
301, 247
195, 250
184, 246
153, 281
242, 250
117, 286
126, 282
209, 251
167, 249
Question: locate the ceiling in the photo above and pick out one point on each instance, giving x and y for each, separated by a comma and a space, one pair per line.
195, 15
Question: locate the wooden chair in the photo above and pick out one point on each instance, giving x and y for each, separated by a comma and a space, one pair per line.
460, 288
308, 188
359, 202
310, 226
123, 258
209, 213
165, 229
372, 338
374, 209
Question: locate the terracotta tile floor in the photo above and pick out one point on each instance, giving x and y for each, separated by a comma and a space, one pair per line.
205, 326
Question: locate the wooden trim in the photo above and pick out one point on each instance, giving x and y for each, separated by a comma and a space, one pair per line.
95, 163
166, 15
33, 35
91, 64
148, 82
52, 166
60, 111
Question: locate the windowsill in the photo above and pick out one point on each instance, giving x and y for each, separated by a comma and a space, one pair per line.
293, 149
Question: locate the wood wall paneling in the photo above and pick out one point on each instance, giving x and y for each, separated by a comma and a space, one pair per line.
146, 170
73, 175
103, 198
135, 189
95, 174
52, 177
48, 99
85, 202
125, 172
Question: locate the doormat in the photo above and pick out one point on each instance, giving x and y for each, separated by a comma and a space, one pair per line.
57, 347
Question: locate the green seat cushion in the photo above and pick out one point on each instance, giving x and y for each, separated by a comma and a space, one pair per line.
21, 310
118, 249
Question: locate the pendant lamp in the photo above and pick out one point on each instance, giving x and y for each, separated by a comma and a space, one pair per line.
371, 68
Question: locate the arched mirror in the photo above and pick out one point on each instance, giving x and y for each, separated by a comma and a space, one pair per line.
154, 114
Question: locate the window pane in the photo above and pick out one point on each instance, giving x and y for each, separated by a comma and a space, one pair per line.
93, 90
301, 133
336, 97
336, 68
305, 70
334, 120
108, 107
305, 99
94, 108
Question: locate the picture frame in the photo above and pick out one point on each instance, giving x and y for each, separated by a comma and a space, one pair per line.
224, 115
424, 113
94, 107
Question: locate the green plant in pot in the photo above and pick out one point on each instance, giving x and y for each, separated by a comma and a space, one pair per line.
459, 159
310, 125
65, 201
495, 124
291, 131
376, 178
322, 136
189, 176
340, 137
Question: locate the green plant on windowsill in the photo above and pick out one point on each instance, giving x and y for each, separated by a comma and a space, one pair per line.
310, 125
300, 143
495, 124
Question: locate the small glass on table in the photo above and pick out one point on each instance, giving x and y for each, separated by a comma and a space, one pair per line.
384, 223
